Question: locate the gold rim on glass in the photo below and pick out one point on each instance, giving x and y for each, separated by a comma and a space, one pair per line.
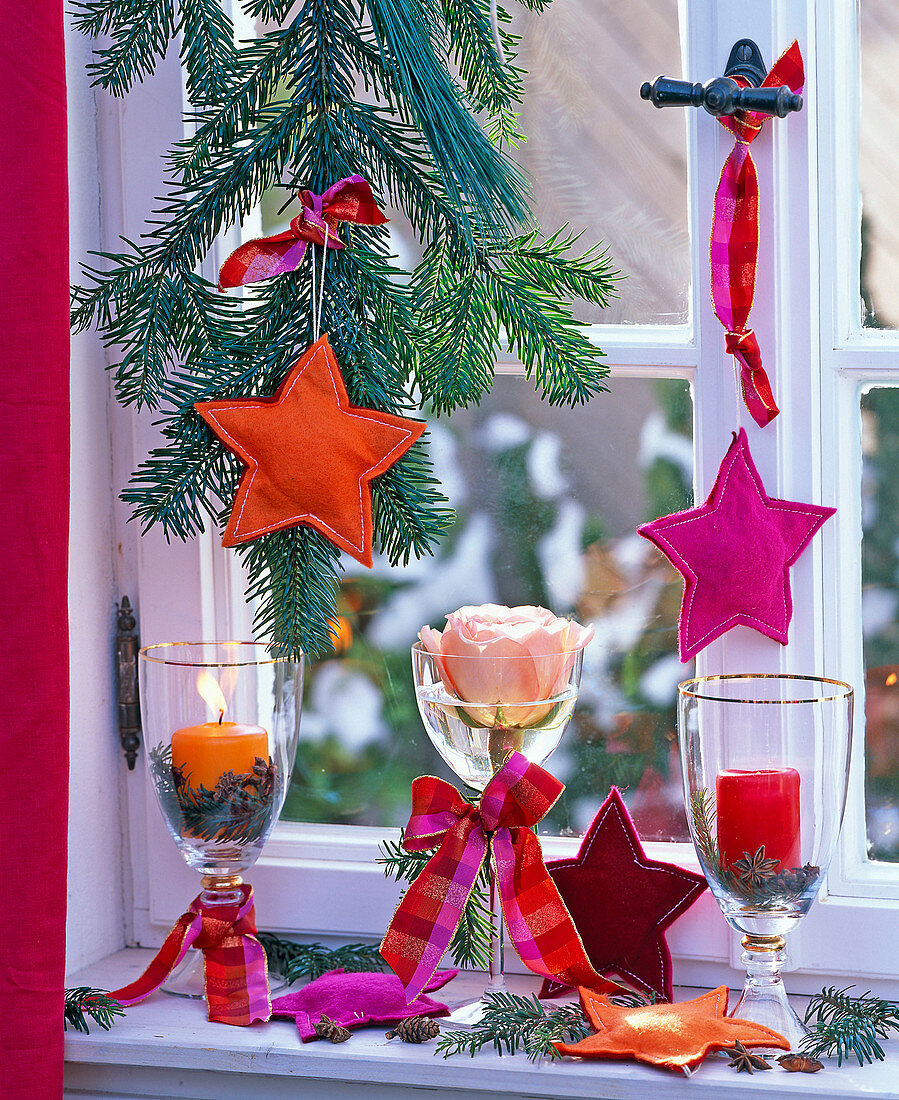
148, 654
685, 686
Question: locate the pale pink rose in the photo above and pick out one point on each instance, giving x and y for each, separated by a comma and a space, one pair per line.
492, 654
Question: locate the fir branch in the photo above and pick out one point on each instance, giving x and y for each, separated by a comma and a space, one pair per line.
474, 173
702, 809
457, 349
553, 347
283, 111
139, 40
494, 87
96, 17
842, 1025
293, 575
408, 508
310, 960
269, 11
548, 265
83, 1003
207, 49
398, 864
511, 1023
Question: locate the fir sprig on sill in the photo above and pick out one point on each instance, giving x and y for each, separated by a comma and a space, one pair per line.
83, 1003
842, 1025
511, 1023
470, 945
310, 960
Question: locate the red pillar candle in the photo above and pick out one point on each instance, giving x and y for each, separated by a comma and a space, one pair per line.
758, 808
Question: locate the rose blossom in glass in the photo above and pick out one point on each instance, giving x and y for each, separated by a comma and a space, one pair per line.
494, 654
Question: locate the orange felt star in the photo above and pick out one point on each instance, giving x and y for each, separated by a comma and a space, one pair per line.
675, 1036
310, 455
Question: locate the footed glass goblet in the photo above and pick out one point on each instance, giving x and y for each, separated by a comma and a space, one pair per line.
476, 736
220, 722
765, 761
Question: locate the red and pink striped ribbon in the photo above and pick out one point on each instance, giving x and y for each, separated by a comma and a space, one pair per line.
734, 242
236, 971
539, 925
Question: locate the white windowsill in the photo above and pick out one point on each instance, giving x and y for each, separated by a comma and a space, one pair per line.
166, 1048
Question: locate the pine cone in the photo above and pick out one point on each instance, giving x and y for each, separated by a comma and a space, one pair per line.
228, 787
415, 1029
327, 1029
263, 777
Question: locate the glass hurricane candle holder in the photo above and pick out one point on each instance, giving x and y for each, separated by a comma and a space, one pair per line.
476, 736
765, 761
220, 725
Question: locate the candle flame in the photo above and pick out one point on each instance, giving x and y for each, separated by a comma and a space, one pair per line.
891, 679
208, 687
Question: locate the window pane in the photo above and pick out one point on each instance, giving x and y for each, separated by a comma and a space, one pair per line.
880, 601
603, 160
547, 502
604, 163
878, 142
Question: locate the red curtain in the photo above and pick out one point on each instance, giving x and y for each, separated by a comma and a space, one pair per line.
34, 493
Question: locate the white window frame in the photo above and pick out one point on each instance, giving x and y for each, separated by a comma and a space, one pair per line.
322, 881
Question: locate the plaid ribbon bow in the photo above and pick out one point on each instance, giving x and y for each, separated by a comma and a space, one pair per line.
540, 926
734, 245
236, 970
348, 200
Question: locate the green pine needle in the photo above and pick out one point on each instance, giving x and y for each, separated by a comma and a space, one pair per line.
511, 1023
844, 1026
84, 1004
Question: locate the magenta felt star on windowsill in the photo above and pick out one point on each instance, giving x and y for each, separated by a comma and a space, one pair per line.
735, 553
355, 999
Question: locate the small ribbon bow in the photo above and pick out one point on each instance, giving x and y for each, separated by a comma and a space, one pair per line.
734, 244
348, 200
540, 926
236, 971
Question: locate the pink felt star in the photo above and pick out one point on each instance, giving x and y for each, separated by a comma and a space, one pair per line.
735, 553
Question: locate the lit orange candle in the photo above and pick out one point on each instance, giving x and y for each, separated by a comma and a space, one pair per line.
205, 752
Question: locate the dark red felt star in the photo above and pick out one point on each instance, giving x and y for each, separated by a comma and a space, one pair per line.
735, 553
621, 902
310, 455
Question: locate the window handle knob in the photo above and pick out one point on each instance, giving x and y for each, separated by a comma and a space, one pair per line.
723, 95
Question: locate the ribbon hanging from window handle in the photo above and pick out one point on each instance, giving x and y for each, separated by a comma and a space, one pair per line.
540, 926
348, 200
734, 244
236, 971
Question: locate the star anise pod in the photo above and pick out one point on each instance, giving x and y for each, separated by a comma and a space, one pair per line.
742, 1059
178, 777
753, 870
799, 1063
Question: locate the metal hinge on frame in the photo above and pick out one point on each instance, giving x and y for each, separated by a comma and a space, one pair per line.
126, 647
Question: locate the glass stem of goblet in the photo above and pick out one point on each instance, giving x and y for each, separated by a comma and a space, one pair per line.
496, 982
221, 889
764, 998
